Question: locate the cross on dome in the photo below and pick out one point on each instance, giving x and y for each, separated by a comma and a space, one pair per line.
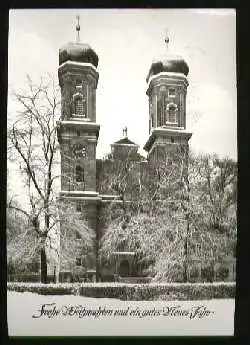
77, 51
169, 63
167, 39
125, 132
78, 28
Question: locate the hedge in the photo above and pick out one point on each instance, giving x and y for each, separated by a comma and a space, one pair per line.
36, 277
44, 289
24, 277
136, 292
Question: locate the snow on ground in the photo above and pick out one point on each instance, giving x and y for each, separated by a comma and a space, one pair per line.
82, 316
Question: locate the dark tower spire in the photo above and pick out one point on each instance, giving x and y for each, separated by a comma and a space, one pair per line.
125, 132
78, 29
167, 40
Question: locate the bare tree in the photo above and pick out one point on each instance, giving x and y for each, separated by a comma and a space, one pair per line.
22, 242
203, 212
33, 141
147, 221
166, 223
218, 187
32, 137
217, 193
76, 236
33, 144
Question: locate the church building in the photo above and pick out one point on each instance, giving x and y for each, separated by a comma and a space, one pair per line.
78, 133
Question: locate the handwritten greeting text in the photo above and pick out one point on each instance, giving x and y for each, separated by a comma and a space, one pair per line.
51, 310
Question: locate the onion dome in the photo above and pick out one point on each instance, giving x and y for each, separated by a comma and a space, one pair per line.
171, 63
77, 51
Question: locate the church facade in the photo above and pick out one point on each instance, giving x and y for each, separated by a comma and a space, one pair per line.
78, 132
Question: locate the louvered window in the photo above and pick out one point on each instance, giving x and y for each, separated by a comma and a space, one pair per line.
172, 114
79, 109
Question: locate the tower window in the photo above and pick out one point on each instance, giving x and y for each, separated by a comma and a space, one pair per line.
78, 132
78, 261
78, 208
79, 174
151, 122
79, 101
171, 93
79, 109
172, 140
172, 113
78, 82
78, 236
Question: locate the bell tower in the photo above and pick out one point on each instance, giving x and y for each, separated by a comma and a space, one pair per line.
166, 91
78, 135
77, 130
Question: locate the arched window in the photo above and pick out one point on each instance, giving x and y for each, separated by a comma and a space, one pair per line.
79, 101
78, 235
79, 174
78, 261
172, 114
79, 106
172, 111
124, 268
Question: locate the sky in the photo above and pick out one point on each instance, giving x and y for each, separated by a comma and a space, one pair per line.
127, 41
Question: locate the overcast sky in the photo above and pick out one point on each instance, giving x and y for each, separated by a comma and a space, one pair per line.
127, 41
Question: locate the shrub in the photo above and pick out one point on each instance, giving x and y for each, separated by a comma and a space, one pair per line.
108, 278
24, 277
64, 277
137, 292
207, 273
194, 273
44, 289
222, 273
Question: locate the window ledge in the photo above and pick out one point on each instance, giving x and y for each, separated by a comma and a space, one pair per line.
81, 117
172, 123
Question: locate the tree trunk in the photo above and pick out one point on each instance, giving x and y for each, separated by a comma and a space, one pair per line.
97, 258
185, 270
44, 276
56, 274
187, 217
44, 267
97, 246
185, 264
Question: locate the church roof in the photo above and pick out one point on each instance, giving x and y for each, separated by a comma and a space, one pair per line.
125, 141
77, 51
171, 63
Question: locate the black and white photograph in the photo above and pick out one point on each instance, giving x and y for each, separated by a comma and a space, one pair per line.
121, 211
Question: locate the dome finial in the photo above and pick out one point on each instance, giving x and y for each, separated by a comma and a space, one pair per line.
167, 39
78, 29
125, 132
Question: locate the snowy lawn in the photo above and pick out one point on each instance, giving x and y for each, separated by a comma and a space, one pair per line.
82, 316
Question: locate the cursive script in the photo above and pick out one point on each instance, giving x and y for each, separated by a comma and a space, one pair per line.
51, 310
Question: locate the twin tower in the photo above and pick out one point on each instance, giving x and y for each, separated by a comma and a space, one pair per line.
78, 130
